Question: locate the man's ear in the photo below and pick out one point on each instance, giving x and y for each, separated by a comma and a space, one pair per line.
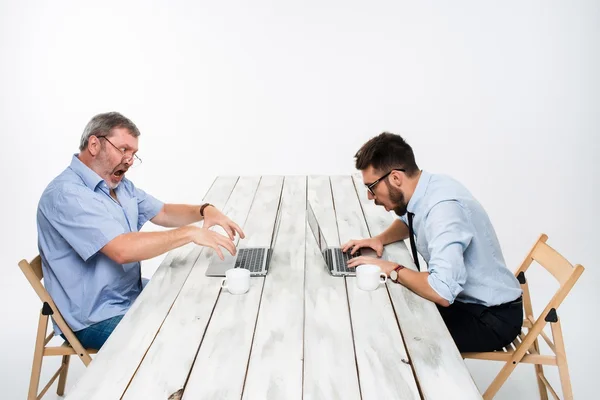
94, 146
396, 178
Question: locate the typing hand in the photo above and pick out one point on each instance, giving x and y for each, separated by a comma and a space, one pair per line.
205, 237
386, 266
213, 217
373, 243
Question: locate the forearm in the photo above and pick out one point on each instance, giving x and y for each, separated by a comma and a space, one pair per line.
175, 215
397, 231
139, 246
418, 283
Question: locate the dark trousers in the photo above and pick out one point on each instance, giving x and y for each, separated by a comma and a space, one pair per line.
475, 327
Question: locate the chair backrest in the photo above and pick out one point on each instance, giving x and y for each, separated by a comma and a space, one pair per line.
34, 274
561, 269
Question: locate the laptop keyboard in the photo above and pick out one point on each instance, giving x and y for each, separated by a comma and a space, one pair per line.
250, 259
342, 260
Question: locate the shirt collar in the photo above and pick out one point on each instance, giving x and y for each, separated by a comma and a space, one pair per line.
89, 177
420, 191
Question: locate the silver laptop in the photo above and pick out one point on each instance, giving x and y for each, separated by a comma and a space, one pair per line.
254, 259
335, 259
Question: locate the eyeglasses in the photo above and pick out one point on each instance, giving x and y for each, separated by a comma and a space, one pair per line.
126, 157
370, 186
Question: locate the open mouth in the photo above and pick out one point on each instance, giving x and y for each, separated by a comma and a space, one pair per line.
119, 173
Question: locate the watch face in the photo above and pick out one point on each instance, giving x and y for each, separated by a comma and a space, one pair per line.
394, 275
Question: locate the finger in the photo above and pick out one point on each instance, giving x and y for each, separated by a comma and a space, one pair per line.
355, 262
347, 246
227, 244
230, 248
220, 238
355, 248
239, 230
229, 232
218, 250
379, 252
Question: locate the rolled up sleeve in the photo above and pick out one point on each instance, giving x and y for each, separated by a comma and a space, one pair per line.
449, 232
81, 220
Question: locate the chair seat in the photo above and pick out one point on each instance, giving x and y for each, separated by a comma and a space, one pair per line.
506, 354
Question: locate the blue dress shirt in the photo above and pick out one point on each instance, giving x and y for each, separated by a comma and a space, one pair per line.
455, 236
76, 218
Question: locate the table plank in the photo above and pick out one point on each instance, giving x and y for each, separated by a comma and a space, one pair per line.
440, 370
220, 367
109, 374
169, 360
379, 345
275, 367
329, 360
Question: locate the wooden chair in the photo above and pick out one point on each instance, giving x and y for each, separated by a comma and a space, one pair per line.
525, 348
33, 273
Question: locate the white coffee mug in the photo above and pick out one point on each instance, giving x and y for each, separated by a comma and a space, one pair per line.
237, 280
369, 277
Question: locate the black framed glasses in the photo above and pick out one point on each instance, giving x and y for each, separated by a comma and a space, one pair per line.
126, 157
370, 186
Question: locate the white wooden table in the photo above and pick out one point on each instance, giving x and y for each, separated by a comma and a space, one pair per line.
298, 333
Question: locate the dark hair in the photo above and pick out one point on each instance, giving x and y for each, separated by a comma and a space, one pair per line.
386, 152
103, 124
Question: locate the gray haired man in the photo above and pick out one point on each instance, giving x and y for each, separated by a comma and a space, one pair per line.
89, 220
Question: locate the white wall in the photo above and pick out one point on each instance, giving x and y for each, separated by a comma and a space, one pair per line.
503, 96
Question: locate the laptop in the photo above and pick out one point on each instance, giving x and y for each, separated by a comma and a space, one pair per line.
335, 259
254, 259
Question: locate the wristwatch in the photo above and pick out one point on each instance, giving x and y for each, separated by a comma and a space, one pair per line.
203, 207
394, 273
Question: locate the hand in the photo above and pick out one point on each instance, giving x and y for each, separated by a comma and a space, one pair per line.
374, 243
213, 217
386, 266
205, 237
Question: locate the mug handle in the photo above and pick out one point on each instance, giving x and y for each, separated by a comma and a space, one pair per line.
384, 276
223, 283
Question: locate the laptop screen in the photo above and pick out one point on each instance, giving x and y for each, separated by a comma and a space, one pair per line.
316, 230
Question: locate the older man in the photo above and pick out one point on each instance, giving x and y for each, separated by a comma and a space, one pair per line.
89, 218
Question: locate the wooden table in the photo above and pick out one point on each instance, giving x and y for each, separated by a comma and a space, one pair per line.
298, 333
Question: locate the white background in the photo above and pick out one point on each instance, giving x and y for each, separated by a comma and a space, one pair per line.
504, 96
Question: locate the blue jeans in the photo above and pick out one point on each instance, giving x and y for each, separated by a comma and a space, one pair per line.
94, 336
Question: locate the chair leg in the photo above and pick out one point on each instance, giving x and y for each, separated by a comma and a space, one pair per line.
540, 371
38, 355
561, 360
62, 379
497, 383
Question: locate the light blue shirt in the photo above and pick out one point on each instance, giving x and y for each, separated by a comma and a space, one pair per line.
455, 236
76, 218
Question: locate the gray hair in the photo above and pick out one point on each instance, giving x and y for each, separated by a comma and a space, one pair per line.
103, 124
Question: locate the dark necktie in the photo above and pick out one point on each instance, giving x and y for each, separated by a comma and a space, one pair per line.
413, 246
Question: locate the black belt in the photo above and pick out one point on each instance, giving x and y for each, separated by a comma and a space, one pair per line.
517, 301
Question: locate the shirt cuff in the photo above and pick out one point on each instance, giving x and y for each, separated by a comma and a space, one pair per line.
447, 290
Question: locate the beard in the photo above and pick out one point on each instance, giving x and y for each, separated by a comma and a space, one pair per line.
397, 198
112, 174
